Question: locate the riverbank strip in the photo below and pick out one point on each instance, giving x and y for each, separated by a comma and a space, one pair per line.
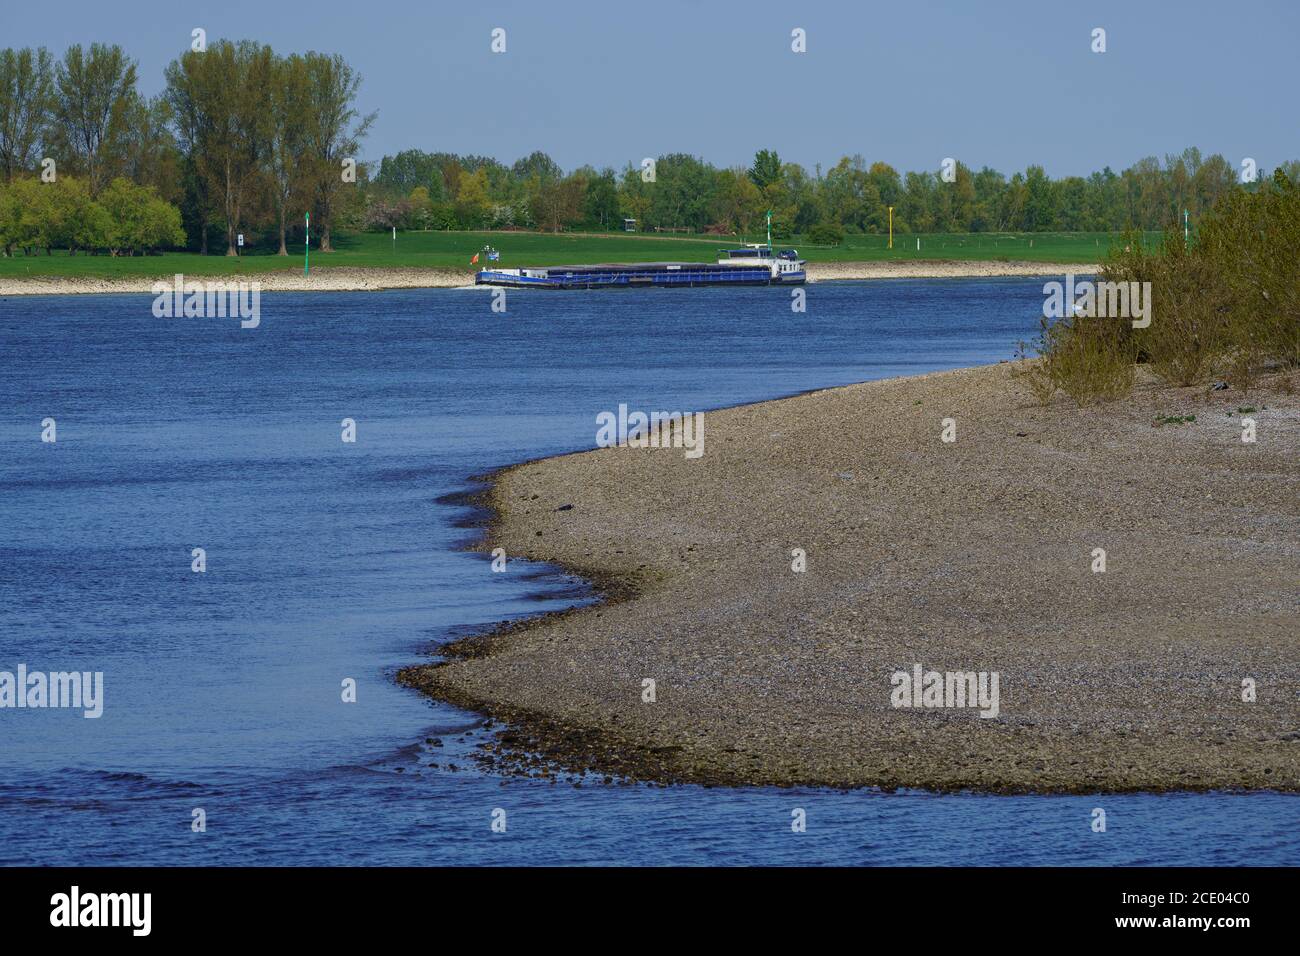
356, 279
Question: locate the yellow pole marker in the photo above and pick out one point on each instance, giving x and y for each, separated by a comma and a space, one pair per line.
891, 227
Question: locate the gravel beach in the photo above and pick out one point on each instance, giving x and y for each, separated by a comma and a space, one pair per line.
321, 279
941, 269
354, 279
975, 555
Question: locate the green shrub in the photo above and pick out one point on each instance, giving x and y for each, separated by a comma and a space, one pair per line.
1226, 305
826, 234
1254, 240
140, 220
35, 215
1090, 360
1186, 337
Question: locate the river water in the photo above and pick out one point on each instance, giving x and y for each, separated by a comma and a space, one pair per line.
328, 560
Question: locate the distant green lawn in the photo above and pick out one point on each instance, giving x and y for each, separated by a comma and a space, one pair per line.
453, 250
1063, 247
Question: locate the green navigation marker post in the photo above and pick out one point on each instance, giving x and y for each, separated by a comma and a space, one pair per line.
306, 249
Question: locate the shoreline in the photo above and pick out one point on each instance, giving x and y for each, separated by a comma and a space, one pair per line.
323, 279
1120, 682
375, 279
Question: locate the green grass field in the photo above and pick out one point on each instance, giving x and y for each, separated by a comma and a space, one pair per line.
1063, 247
453, 250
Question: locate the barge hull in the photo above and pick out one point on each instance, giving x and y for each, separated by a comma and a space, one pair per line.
650, 275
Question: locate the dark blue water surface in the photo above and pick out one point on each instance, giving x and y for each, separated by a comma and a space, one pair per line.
329, 560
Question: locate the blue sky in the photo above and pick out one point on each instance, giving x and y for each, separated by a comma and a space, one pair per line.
1003, 82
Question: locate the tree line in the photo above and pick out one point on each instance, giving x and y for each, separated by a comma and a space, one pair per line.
245, 140
415, 189
241, 139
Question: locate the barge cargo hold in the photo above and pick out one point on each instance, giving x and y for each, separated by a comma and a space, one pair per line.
756, 265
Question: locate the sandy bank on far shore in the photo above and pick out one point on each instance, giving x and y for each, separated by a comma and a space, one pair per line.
971, 556
358, 279
940, 269
323, 279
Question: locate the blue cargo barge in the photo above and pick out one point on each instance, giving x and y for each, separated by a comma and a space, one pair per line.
753, 265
